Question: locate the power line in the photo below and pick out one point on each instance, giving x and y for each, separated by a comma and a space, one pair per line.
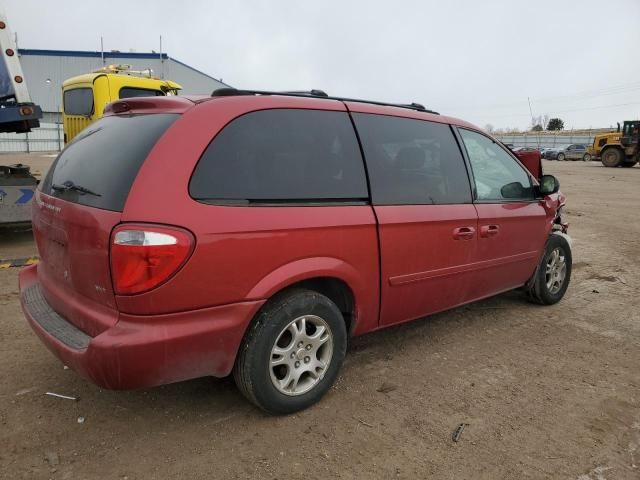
620, 89
567, 111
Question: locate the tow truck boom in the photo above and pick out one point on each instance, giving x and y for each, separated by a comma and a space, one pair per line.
17, 112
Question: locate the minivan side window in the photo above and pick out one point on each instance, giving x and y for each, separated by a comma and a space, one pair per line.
78, 101
497, 176
282, 156
412, 162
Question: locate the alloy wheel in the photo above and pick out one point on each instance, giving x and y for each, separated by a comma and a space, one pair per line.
301, 355
555, 271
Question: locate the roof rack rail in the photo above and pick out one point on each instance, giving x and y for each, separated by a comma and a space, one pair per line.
313, 92
230, 92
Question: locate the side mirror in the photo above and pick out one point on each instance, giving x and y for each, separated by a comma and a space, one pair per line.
512, 190
548, 185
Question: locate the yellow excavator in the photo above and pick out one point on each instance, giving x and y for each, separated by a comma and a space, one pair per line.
620, 148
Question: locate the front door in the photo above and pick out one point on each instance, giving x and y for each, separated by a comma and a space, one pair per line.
511, 221
426, 220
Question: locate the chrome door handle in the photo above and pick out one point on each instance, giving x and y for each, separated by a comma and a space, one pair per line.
489, 230
464, 233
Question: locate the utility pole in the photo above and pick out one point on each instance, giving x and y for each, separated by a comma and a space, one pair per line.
532, 121
161, 60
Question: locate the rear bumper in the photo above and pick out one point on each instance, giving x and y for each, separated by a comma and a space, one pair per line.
141, 351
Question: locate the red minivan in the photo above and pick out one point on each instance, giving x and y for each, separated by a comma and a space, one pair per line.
254, 232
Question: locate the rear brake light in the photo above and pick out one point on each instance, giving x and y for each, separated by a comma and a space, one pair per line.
145, 256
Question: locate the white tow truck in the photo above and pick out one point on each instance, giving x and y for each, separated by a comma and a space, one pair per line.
18, 114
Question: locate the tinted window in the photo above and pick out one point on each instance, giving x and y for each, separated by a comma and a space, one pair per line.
497, 175
78, 101
282, 155
105, 158
412, 161
128, 92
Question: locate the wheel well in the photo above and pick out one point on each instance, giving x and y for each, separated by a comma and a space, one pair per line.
612, 147
335, 290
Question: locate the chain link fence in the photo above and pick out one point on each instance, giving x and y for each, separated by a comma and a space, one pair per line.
48, 138
547, 140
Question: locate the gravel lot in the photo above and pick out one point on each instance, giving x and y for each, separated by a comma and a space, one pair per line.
546, 392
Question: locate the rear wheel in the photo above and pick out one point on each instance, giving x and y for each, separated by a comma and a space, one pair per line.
586, 157
560, 157
611, 157
553, 275
292, 353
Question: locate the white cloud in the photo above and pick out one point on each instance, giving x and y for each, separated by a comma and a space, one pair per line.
476, 60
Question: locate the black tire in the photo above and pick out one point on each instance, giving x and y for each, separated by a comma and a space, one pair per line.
627, 164
586, 157
252, 372
611, 157
560, 157
537, 287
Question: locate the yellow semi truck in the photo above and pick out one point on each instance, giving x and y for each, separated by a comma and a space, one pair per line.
85, 96
619, 148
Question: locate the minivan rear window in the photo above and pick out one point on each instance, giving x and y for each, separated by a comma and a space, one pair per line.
104, 159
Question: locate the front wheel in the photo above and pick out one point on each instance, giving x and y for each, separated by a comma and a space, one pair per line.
292, 353
611, 157
561, 157
586, 157
552, 277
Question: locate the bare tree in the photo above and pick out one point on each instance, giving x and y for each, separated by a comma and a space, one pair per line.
489, 128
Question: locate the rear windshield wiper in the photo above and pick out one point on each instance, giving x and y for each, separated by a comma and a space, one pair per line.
69, 185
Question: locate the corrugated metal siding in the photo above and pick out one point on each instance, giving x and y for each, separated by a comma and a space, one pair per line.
38, 68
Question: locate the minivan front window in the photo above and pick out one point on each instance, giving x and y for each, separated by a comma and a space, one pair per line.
497, 175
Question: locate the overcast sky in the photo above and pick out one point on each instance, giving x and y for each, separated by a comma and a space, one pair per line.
478, 60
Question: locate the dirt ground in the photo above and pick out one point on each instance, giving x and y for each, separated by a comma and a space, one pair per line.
546, 392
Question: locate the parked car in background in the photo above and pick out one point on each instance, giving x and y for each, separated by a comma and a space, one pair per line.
290, 223
543, 150
574, 151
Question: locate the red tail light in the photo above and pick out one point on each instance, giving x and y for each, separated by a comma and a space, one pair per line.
145, 256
